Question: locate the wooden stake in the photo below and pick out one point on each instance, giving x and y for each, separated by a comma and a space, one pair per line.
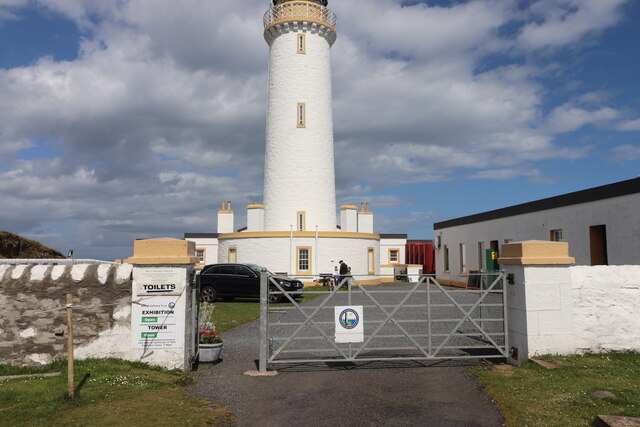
70, 375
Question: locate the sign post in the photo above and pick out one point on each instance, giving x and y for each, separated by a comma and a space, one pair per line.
163, 324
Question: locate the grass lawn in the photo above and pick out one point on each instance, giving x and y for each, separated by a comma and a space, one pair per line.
531, 395
230, 314
109, 392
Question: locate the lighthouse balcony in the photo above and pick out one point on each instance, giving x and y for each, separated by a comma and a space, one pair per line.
309, 10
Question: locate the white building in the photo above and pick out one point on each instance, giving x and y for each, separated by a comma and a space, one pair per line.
295, 230
601, 225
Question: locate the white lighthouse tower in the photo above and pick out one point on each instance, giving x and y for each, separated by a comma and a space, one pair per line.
299, 178
295, 230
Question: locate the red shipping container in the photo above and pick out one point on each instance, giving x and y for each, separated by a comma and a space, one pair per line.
423, 254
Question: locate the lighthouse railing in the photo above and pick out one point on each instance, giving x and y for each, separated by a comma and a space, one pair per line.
299, 10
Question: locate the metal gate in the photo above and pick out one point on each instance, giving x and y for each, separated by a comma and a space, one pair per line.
423, 320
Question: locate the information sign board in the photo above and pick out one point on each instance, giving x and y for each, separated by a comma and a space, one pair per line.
158, 323
349, 324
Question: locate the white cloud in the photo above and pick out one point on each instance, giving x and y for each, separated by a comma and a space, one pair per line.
630, 125
626, 152
562, 22
567, 118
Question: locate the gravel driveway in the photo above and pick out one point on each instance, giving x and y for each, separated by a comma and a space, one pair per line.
368, 394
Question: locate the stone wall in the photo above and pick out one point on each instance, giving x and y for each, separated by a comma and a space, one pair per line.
33, 327
605, 308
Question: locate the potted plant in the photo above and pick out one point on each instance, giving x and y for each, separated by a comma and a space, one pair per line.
210, 345
209, 341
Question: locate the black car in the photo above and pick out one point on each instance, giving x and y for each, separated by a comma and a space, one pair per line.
230, 281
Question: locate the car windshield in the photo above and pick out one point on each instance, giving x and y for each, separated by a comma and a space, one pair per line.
257, 269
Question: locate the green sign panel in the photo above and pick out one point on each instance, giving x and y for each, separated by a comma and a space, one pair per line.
149, 334
149, 320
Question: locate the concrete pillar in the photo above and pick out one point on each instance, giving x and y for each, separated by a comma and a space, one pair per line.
540, 300
225, 218
365, 219
255, 217
164, 303
349, 218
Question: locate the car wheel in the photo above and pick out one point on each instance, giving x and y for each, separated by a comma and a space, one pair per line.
209, 294
274, 299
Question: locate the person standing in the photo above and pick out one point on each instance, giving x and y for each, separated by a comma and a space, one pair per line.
344, 269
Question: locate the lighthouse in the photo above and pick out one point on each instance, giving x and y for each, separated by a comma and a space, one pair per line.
299, 177
295, 230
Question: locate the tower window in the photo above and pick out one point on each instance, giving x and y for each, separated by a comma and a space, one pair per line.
301, 221
302, 113
302, 43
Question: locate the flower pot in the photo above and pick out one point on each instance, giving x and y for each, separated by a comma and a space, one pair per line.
210, 352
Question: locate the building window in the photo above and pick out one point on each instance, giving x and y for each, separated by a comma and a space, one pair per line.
302, 115
371, 261
301, 221
556, 236
394, 255
304, 260
302, 43
232, 255
463, 257
446, 258
200, 253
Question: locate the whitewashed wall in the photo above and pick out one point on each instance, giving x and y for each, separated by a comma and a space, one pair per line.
275, 254
573, 309
606, 301
619, 214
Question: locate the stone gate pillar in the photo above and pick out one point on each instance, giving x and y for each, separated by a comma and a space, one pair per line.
164, 303
540, 300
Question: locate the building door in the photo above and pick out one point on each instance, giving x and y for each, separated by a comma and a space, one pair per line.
598, 245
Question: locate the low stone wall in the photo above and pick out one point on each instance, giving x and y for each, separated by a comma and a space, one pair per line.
33, 327
605, 308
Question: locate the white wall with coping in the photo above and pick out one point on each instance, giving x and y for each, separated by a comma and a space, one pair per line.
619, 214
299, 162
573, 309
278, 254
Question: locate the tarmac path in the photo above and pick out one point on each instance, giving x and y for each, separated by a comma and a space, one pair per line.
370, 394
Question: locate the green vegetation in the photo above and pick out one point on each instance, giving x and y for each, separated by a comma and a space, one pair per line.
14, 246
230, 314
109, 392
531, 395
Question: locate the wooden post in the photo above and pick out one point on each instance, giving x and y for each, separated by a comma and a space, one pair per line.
70, 369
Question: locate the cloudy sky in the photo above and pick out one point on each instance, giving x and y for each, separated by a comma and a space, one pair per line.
124, 119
